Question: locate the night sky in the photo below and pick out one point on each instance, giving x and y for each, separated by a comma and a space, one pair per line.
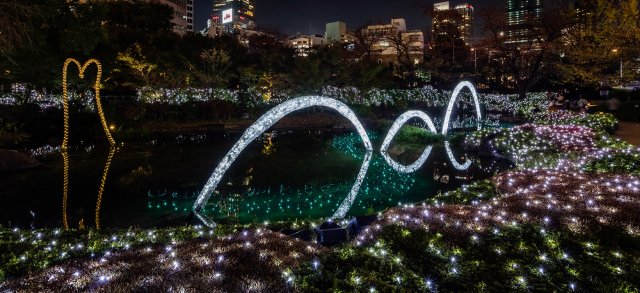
310, 16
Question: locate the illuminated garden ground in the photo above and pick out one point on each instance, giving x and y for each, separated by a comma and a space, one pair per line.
564, 219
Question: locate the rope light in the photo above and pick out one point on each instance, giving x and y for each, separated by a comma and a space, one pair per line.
65, 140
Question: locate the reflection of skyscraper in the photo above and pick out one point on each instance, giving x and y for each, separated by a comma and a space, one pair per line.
233, 16
522, 18
451, 23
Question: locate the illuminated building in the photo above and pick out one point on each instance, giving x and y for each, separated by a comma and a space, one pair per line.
232, 16
304, 44
337, 32
389, 41
523, 16
450, 23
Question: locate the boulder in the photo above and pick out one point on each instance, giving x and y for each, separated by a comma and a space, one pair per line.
13, 160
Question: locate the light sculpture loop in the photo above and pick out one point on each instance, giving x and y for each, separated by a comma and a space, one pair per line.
453, 159
392, 133
274, 115
452, 101
265, 122
404, 118
65, 140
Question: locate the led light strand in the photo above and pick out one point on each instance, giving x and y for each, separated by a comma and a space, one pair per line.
392, 133
65, 140
274, 115
264, 123
454, 97
112, 152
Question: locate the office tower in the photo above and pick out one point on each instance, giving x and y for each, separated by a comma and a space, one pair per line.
451, 23
233, 16
523, 16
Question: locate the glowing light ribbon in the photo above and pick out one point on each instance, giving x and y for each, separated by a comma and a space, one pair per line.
274, 115
452, 101
65, 140
265, 122
454, 161
402, 120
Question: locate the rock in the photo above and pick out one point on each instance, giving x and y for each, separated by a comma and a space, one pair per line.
13, 160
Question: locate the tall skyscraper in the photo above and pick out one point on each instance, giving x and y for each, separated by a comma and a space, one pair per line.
466, 26
233, 16
451, 23
522, 18
190, 16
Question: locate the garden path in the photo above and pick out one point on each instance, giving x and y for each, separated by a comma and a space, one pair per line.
630, 132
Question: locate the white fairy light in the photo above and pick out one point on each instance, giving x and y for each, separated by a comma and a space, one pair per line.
454, 96
276, 114
264, 123
392, 133
454, 161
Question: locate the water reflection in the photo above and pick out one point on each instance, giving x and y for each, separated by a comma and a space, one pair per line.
65, 194
382, 187
103, 180
454, 161
402, 120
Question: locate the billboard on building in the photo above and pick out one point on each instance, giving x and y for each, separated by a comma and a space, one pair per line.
227, 16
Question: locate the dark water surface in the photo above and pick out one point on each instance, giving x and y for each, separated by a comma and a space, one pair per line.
284, 175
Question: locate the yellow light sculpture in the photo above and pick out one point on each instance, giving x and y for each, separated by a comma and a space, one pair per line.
65, 140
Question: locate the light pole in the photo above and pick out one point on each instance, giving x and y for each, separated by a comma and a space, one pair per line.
475, 60
453, 49
620, 69
615, 51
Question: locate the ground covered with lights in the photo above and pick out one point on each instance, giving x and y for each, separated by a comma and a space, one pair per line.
564, 219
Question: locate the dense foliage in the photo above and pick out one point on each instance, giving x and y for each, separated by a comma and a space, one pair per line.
517, 259
626, 163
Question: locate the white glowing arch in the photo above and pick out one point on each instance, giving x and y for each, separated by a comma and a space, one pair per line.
392, 133
452, 101
265, 122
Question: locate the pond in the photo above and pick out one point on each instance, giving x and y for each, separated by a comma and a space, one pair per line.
284, 175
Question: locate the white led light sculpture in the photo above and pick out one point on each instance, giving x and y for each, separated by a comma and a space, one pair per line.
445, 128
452, 101
454, 161
392, 133
274, 115
265, 122
342, 210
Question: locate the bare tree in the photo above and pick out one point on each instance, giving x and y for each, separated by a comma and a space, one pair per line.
522, 65
14, 25
365, 41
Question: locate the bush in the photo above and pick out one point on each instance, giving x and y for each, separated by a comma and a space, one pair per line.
625, 163
412, 134
11, 134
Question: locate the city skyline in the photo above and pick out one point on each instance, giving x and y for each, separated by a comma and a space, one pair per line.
310, 17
